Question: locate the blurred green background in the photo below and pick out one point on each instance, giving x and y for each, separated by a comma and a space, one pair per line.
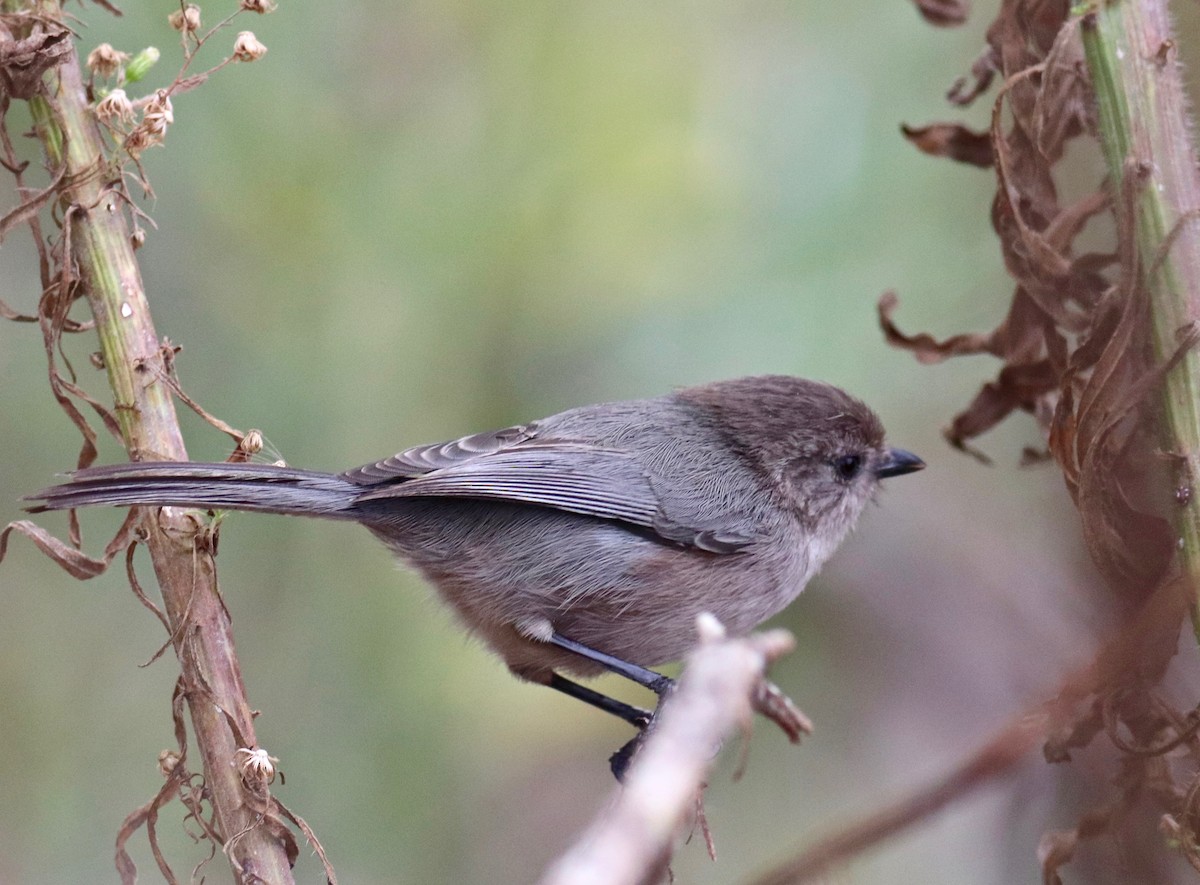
413, 221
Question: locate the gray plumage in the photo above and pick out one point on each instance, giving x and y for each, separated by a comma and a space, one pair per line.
613, 524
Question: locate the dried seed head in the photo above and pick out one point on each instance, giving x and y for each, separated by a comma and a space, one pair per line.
167, 760
115, 106
252, 442
158, 114
137, 141
260, 6
186, 19
104, 61
137, 239
257, 765
156, 117
247, 47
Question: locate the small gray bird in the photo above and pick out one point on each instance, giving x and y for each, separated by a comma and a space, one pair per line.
592, 539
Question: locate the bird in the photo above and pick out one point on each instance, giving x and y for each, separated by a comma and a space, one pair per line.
589, 540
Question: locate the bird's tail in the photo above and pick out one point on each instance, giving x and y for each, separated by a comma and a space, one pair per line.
262, 487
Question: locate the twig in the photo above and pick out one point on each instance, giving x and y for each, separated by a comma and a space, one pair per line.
991, 760
1146, 643
630, 841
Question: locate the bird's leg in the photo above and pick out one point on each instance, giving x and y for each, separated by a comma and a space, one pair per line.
656, 682
635, 716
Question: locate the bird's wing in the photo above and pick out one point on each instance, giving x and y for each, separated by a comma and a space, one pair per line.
512, 465
420, 460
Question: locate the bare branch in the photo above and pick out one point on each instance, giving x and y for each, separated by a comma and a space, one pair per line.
1140, 651
630, 841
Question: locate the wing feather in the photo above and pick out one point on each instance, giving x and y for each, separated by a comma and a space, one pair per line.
420, 460
577, 478
515, 465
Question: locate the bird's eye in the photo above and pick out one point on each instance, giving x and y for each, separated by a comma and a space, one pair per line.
847, 466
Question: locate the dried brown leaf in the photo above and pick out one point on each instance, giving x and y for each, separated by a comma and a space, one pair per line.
966, 89
952, 140
1073, 343
925, 347
177, 776
68, 557
23, 62
147, 816
943, 13
310, 837
212, 420
1063, 106
7, 313
1018, 386
32, 204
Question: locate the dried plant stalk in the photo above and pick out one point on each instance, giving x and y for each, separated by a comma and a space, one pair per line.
1143, 127
1100, 347
95, 226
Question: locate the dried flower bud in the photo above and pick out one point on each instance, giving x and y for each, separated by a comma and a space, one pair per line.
115, 106
257, 765
167, 761
252, 442
104, 61
156, 117
141, 64
247, 47
186, 19
260, 6
159, 114
137, 141
137, 239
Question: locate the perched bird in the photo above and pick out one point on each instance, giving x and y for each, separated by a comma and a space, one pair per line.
591, 539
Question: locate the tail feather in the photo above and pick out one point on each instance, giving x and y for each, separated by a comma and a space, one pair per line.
261, 487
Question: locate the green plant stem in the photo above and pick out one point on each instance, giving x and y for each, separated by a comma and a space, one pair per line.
1145, 131
133, 356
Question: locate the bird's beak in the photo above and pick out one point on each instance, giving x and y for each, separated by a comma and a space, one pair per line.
897, 463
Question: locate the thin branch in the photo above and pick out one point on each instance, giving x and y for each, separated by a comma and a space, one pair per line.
1146, 644
630, 841
993, 759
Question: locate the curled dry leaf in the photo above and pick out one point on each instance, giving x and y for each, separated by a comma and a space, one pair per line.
953, 141
23, 62
1072, 346
1019, 386
69, 557
1074, 349
924, 346
943, 13
27, 209
968, 88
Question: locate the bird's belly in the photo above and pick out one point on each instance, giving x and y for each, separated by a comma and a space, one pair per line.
513, 573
